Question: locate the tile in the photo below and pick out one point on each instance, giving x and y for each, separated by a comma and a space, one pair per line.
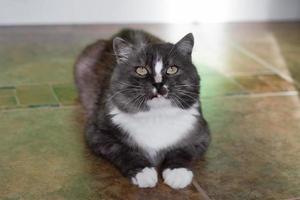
7, 101
291, 55
7, 97
37, 71
7, 91
35, 56
219, 85
234, 62
264, 83
229, 60
66, 93
35, 95
43, 156
269, 53
270, 43
287, 32
204, 69
255, 143
293, 65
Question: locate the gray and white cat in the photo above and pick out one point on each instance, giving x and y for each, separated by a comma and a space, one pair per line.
141, 97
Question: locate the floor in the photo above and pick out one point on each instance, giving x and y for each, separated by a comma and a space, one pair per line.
250, 81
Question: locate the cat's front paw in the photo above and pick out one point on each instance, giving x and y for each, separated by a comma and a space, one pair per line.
177, 177
145, 178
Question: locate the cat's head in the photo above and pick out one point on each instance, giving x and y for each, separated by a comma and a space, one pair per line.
149, 75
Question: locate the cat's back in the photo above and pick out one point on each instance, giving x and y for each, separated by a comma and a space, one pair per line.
92, 72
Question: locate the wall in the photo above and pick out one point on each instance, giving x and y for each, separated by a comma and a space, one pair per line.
145, 11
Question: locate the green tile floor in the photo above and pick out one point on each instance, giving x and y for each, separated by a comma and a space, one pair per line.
37, 95
250, 102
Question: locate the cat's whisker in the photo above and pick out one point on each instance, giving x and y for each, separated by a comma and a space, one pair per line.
141, 102
136, 81
177, 98
176, 86
181, 100
119, 92
187, 84
133, 100
187, 93
130, 85
179, 103
173, 101
193, 98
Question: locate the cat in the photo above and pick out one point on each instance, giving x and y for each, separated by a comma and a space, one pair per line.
141, 100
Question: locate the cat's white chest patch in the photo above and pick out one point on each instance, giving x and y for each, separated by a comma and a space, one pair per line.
160, 127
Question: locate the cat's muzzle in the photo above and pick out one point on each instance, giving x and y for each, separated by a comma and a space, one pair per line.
159, 90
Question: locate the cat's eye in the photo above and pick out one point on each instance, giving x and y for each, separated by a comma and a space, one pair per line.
172, 70
142, 71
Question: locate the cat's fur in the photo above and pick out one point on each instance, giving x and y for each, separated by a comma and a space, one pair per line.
143, 124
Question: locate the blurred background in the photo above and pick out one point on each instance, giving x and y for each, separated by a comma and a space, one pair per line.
17, 12
246, 52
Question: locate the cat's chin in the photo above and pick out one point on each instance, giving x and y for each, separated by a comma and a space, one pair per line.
159, 102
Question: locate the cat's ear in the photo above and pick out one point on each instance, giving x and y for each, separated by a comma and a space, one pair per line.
186, 44
122, 49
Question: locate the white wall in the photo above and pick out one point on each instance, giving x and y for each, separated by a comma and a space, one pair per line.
145, 11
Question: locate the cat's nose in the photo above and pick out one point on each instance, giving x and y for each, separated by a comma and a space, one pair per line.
160, 88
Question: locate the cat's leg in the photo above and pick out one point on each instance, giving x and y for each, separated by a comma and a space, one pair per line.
177, 163
131, 162
176, 168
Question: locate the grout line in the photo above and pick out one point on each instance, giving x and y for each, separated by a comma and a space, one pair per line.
268, 94
201, 191
233, 80
245, 95
16, 97
255, 95
261, 61
38, 108
7, 95
7, 87
243, 74
53, 93
34, 84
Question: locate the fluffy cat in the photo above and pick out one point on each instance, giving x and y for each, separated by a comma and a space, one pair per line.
141, 97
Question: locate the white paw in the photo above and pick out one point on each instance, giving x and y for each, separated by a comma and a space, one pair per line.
178, 177
145, 178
